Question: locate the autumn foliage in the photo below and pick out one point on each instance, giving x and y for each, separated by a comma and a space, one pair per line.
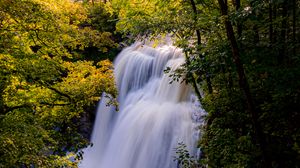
45, 85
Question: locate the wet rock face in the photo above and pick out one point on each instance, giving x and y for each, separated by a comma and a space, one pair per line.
86, 122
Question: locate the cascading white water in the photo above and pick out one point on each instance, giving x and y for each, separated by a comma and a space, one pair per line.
154, 115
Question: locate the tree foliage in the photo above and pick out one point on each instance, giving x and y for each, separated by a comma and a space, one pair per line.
244, 54
45, 85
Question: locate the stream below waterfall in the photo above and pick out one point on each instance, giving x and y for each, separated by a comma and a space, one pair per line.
153, 117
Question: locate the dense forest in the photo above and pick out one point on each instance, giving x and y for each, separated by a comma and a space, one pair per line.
242, 60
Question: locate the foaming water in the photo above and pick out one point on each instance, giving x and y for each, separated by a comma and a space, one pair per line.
154, 115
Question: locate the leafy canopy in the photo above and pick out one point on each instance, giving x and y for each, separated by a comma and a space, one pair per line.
44, 88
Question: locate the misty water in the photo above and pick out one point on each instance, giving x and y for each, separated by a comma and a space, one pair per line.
153, 117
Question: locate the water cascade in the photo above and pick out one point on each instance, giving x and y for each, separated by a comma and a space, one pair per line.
154, 115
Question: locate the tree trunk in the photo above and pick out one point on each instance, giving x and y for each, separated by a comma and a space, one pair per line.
243, 83
256, 34
275, 29
282, 46
237, 4
195, 13
207, 77
255, 26
294, 28
271, 23
194, 83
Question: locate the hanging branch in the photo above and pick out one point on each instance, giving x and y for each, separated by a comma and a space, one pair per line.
194, 83
195, 13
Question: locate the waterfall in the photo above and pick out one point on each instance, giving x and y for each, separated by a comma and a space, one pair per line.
154, 115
